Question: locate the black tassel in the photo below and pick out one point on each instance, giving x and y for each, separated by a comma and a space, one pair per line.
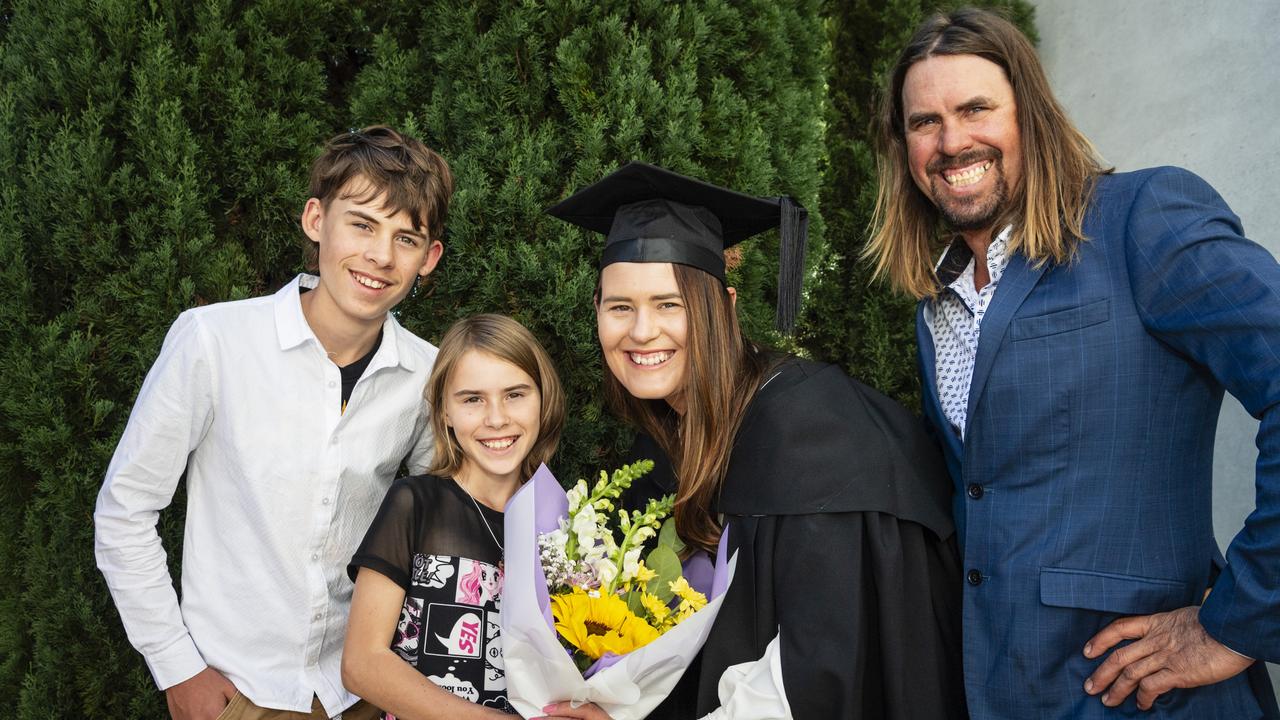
794, 238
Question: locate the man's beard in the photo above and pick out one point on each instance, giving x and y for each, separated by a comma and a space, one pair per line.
974, 213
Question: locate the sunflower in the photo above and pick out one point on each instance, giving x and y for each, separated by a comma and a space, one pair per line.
599, 625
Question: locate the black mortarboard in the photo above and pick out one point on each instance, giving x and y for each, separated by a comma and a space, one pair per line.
654, 215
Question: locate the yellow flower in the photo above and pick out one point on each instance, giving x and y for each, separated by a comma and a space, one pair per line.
691, 600
657, 609
644, 574
596, 625
687, 594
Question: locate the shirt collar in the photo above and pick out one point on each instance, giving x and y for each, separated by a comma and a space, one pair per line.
292, 328
957, 258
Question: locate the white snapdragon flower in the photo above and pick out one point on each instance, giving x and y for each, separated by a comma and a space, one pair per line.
585, 526
631, 564
576, 495
605, 569
556, 538
593, 553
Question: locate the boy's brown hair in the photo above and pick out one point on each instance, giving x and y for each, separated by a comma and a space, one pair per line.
408, 175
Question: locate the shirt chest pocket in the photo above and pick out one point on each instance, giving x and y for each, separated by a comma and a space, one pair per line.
1060, 321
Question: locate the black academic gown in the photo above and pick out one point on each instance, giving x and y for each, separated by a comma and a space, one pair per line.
838, 506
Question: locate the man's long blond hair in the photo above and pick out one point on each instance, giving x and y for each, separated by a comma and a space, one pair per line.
1060, 165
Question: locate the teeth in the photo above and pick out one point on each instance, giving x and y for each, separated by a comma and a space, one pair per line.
650, 358
968, 177
501, 444
370, 282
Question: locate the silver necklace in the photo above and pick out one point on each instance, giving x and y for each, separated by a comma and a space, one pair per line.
483, 519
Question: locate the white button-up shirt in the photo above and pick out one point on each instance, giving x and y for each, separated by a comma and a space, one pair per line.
954, 319
281, 487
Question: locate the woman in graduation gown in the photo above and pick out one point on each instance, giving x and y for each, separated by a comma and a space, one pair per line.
846, 598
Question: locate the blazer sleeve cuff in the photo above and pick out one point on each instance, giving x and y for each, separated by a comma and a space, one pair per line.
1226, 620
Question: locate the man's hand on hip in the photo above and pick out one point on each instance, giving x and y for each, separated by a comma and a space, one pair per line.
1170, 650
201, 697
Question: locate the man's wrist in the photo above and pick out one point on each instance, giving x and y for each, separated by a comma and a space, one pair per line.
1237, 652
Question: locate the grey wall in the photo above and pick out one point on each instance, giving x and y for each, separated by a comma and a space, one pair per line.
1190, 83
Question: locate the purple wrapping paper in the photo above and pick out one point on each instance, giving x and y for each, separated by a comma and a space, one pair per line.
550, 503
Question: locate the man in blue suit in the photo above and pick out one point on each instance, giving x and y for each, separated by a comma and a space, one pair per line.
1076, 337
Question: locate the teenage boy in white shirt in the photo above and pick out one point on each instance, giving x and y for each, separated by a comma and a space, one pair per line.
290, 415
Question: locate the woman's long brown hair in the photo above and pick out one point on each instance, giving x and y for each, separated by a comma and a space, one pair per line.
723, 372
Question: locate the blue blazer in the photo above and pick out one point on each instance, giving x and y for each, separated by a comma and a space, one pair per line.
1083, 486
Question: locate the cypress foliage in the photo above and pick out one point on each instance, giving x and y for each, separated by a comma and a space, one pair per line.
866, 327
153, 157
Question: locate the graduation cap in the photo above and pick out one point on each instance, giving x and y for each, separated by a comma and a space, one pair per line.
649, 214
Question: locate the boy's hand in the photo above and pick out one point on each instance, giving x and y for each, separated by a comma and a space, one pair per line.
201, 697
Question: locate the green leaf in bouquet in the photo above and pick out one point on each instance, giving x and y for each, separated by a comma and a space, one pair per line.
663, 561
634, 605
667, 537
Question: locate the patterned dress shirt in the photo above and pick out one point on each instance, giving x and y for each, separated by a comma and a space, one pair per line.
955, 321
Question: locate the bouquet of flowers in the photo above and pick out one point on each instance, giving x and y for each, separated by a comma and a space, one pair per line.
587, 614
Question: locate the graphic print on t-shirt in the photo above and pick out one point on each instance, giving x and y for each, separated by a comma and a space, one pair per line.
432, 571
449, 627
478, 582
453, 630
405, 642
494, 676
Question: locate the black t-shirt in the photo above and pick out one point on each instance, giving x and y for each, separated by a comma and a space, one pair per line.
431, 539
351, 373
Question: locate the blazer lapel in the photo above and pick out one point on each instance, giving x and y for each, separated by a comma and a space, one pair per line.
1015, 284
928, 360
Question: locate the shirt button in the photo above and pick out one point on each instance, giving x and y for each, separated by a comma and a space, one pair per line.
975, 491
975, 577
332, 384
315, 556
333, 440
316, 617
325, 501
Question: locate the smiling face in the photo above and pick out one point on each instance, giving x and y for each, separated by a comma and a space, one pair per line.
643, 328
494, 410
368, 258
963, 145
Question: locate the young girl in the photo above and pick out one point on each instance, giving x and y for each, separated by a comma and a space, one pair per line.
423, 635
845, 602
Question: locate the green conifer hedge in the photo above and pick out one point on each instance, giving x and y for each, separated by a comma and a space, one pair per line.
153, 156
